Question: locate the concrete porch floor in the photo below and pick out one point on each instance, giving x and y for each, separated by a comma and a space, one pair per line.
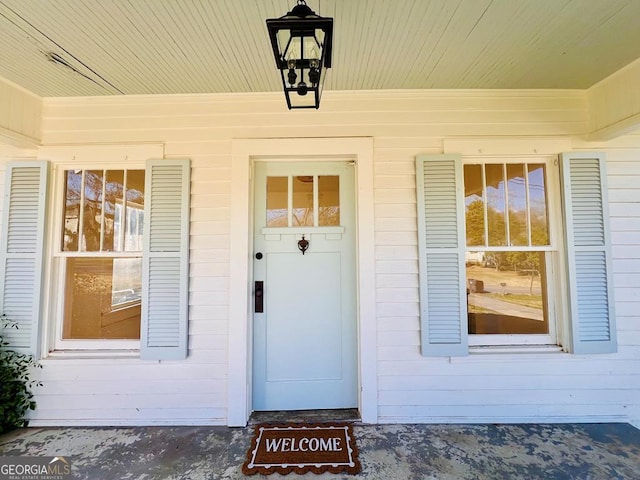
387, 452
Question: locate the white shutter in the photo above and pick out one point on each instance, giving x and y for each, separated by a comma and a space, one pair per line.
165, 302
443, 309
588, 253
21, 251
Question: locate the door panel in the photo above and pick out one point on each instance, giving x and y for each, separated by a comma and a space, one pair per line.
305, 338
302, 322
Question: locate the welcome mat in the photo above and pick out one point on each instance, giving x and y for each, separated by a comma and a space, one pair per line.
302, 448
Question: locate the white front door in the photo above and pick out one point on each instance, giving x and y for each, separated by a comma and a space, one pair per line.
304, 354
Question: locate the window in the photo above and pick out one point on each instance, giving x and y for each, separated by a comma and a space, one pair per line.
121, 264
303, 200
102, 239
492, 268
508, 250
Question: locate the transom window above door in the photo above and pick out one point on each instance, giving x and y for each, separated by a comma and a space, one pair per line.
303, 201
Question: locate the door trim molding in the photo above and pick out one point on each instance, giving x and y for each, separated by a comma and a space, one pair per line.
244, 151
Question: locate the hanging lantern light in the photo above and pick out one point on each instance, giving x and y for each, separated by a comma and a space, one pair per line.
301, 42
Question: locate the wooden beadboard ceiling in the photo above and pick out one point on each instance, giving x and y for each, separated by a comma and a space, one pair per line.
214, 46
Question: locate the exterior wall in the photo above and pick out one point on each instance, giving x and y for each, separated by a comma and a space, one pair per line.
614, 104
478, 388
20, 116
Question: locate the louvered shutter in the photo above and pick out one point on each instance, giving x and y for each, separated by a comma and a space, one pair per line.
588, 253
443, 309
21, 252
164, 332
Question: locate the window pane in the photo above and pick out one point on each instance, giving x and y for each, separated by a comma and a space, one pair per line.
277, 201
507, 293
518, 231
135, 211
102, 231
474, 205
303, 201
102, 298
328, 200
538, 205
496, 204
114, 193
72, 189
92, 217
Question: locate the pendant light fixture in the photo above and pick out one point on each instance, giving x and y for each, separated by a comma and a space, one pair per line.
301, 42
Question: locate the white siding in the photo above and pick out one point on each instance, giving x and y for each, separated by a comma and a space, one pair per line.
20, 116
478, 388
614, 103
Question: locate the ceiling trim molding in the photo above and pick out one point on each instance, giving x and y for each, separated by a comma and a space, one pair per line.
18, 140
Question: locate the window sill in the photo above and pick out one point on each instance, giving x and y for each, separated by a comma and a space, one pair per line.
89, 354
502, 349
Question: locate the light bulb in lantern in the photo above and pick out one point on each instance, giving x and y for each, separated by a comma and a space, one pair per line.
302, 89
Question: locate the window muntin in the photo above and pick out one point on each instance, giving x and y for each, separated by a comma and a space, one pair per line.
102, 238
508, 253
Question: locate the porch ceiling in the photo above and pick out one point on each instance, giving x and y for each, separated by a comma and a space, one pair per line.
215, 46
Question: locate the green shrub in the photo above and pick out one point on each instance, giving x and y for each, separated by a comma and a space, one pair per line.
16, 398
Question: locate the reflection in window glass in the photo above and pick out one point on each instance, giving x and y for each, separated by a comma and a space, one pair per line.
93, 211
507, 292
134, 219
474, 204
71, 227
538, 209
328, 200
92, 216
103, 213
523, 195
102, 298
113, 195
496, 205
277, 201
302, 214
517, 200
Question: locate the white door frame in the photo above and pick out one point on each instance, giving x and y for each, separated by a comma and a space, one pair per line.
244, 151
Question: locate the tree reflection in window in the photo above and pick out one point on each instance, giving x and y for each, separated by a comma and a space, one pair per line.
103, 215
92, 214
506, 207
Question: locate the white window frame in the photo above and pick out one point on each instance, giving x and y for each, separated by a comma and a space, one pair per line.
59, 262
556, 282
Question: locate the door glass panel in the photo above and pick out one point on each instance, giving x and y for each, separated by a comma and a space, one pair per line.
302, 201
328, 200
277, 201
